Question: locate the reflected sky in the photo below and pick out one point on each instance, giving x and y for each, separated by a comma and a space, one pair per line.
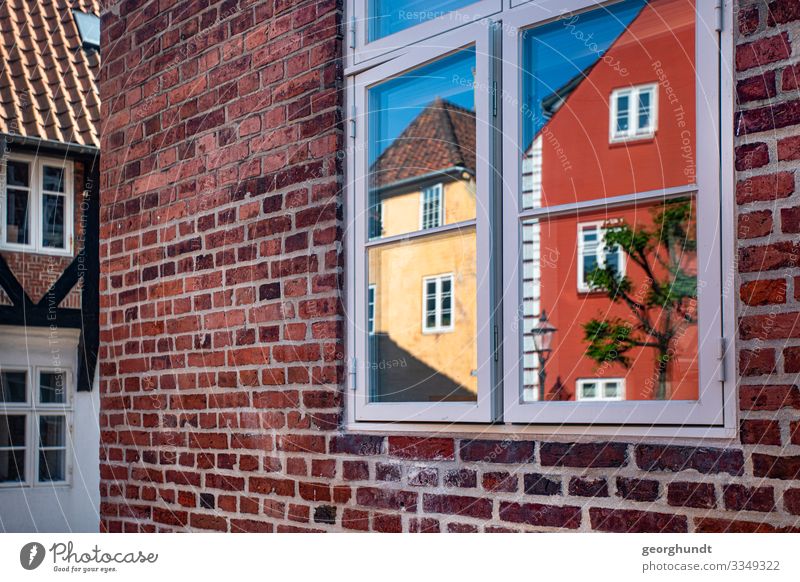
390, 16
555, 53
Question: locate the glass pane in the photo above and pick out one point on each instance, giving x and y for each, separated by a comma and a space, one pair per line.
12, 386
611, 390
644, 111
389, 16
589, 390
12, 466
53, 179
52, 387
12, 430
18, 174
53, 221
406, 362
571, 69
52, 465
422, 135
52, 431
17, 216
639, 322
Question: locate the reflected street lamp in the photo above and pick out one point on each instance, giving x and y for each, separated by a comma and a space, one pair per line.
542, 340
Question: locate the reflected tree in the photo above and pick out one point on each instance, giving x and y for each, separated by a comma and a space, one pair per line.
662, 304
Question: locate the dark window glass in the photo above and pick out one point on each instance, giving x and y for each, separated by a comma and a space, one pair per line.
17, 174
52, 465
52, 431
53, 179
12, 386
12, 430
12, 466
52, 387
53, 221
17, 216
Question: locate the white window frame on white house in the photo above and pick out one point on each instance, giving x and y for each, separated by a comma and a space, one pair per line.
601, 385
438, 298
36, 165
634, 131
500, 407
599, 252
429, 195
33, 409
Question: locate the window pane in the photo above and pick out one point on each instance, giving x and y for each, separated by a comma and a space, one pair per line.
422, 130
589, 390
640, 326
409, 362
52, 465
12, 386
53, 179
17, 216
52, 431
18, 174
571, 69
52, 387
611, 390
53, 221
644, 111
12, 430
12, 466
389, 16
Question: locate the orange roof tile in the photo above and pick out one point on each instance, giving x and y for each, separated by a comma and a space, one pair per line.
48, 81
442, 136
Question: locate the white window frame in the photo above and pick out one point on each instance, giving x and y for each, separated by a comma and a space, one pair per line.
601, 389
424, 215
714, 414
36, 192
438, 280
33, 409
634, 131
600, 253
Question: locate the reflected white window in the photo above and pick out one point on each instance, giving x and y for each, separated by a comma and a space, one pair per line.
432, 207
633, 112
438, 304
593, 253
600, 389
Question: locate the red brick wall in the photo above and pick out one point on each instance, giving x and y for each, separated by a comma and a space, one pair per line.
37, 272
222, 327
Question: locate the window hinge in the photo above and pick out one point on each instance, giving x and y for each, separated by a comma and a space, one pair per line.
718, 15
496, 343
353, 122
352, 32
352, 371
723, 353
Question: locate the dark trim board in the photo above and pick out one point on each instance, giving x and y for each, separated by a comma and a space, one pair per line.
85, 267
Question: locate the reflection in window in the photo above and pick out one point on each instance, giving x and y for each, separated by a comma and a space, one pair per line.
52, 448
600, 389
18, 216
640, 322
12, 448
422, 334
590, 85
13, 386
389, 16
52, 387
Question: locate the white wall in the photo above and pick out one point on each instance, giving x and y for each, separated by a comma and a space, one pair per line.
56, 508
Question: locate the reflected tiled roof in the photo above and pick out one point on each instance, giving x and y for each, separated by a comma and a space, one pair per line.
48, 81
440, 137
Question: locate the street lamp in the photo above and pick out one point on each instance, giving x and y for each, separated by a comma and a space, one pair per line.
542, 339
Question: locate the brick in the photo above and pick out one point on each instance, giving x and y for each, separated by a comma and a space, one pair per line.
583, 487
424, 525
325, 514
633, 521
387, 498
500, 481
756, 362
421, 448
791, 501
789, 148
755, 88
701, 459
537, 514
762, 52
782, 12
769, 397
457, 505
423, 477
765, 187
773, 116
700, 495
774, 467
748, 18
716, 525
759, 432
353, 444
754, 224
387, 523
751, 156
637, 489
743, 498
790, 220
584, 454
538, 484
770, 326
506, 451
464, 478
763, 292
790, 78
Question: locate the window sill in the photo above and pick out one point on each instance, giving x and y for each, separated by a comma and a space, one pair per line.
30, 250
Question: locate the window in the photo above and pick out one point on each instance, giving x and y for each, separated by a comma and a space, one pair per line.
36, 205
89, 28
594, 270
34, 419
633, 112
594, 254
432, 207
600, 389
438, 304
376, 221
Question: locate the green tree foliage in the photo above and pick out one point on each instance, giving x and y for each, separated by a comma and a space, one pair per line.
662, 304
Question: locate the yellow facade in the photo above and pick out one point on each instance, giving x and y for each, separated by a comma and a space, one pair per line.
397, 270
